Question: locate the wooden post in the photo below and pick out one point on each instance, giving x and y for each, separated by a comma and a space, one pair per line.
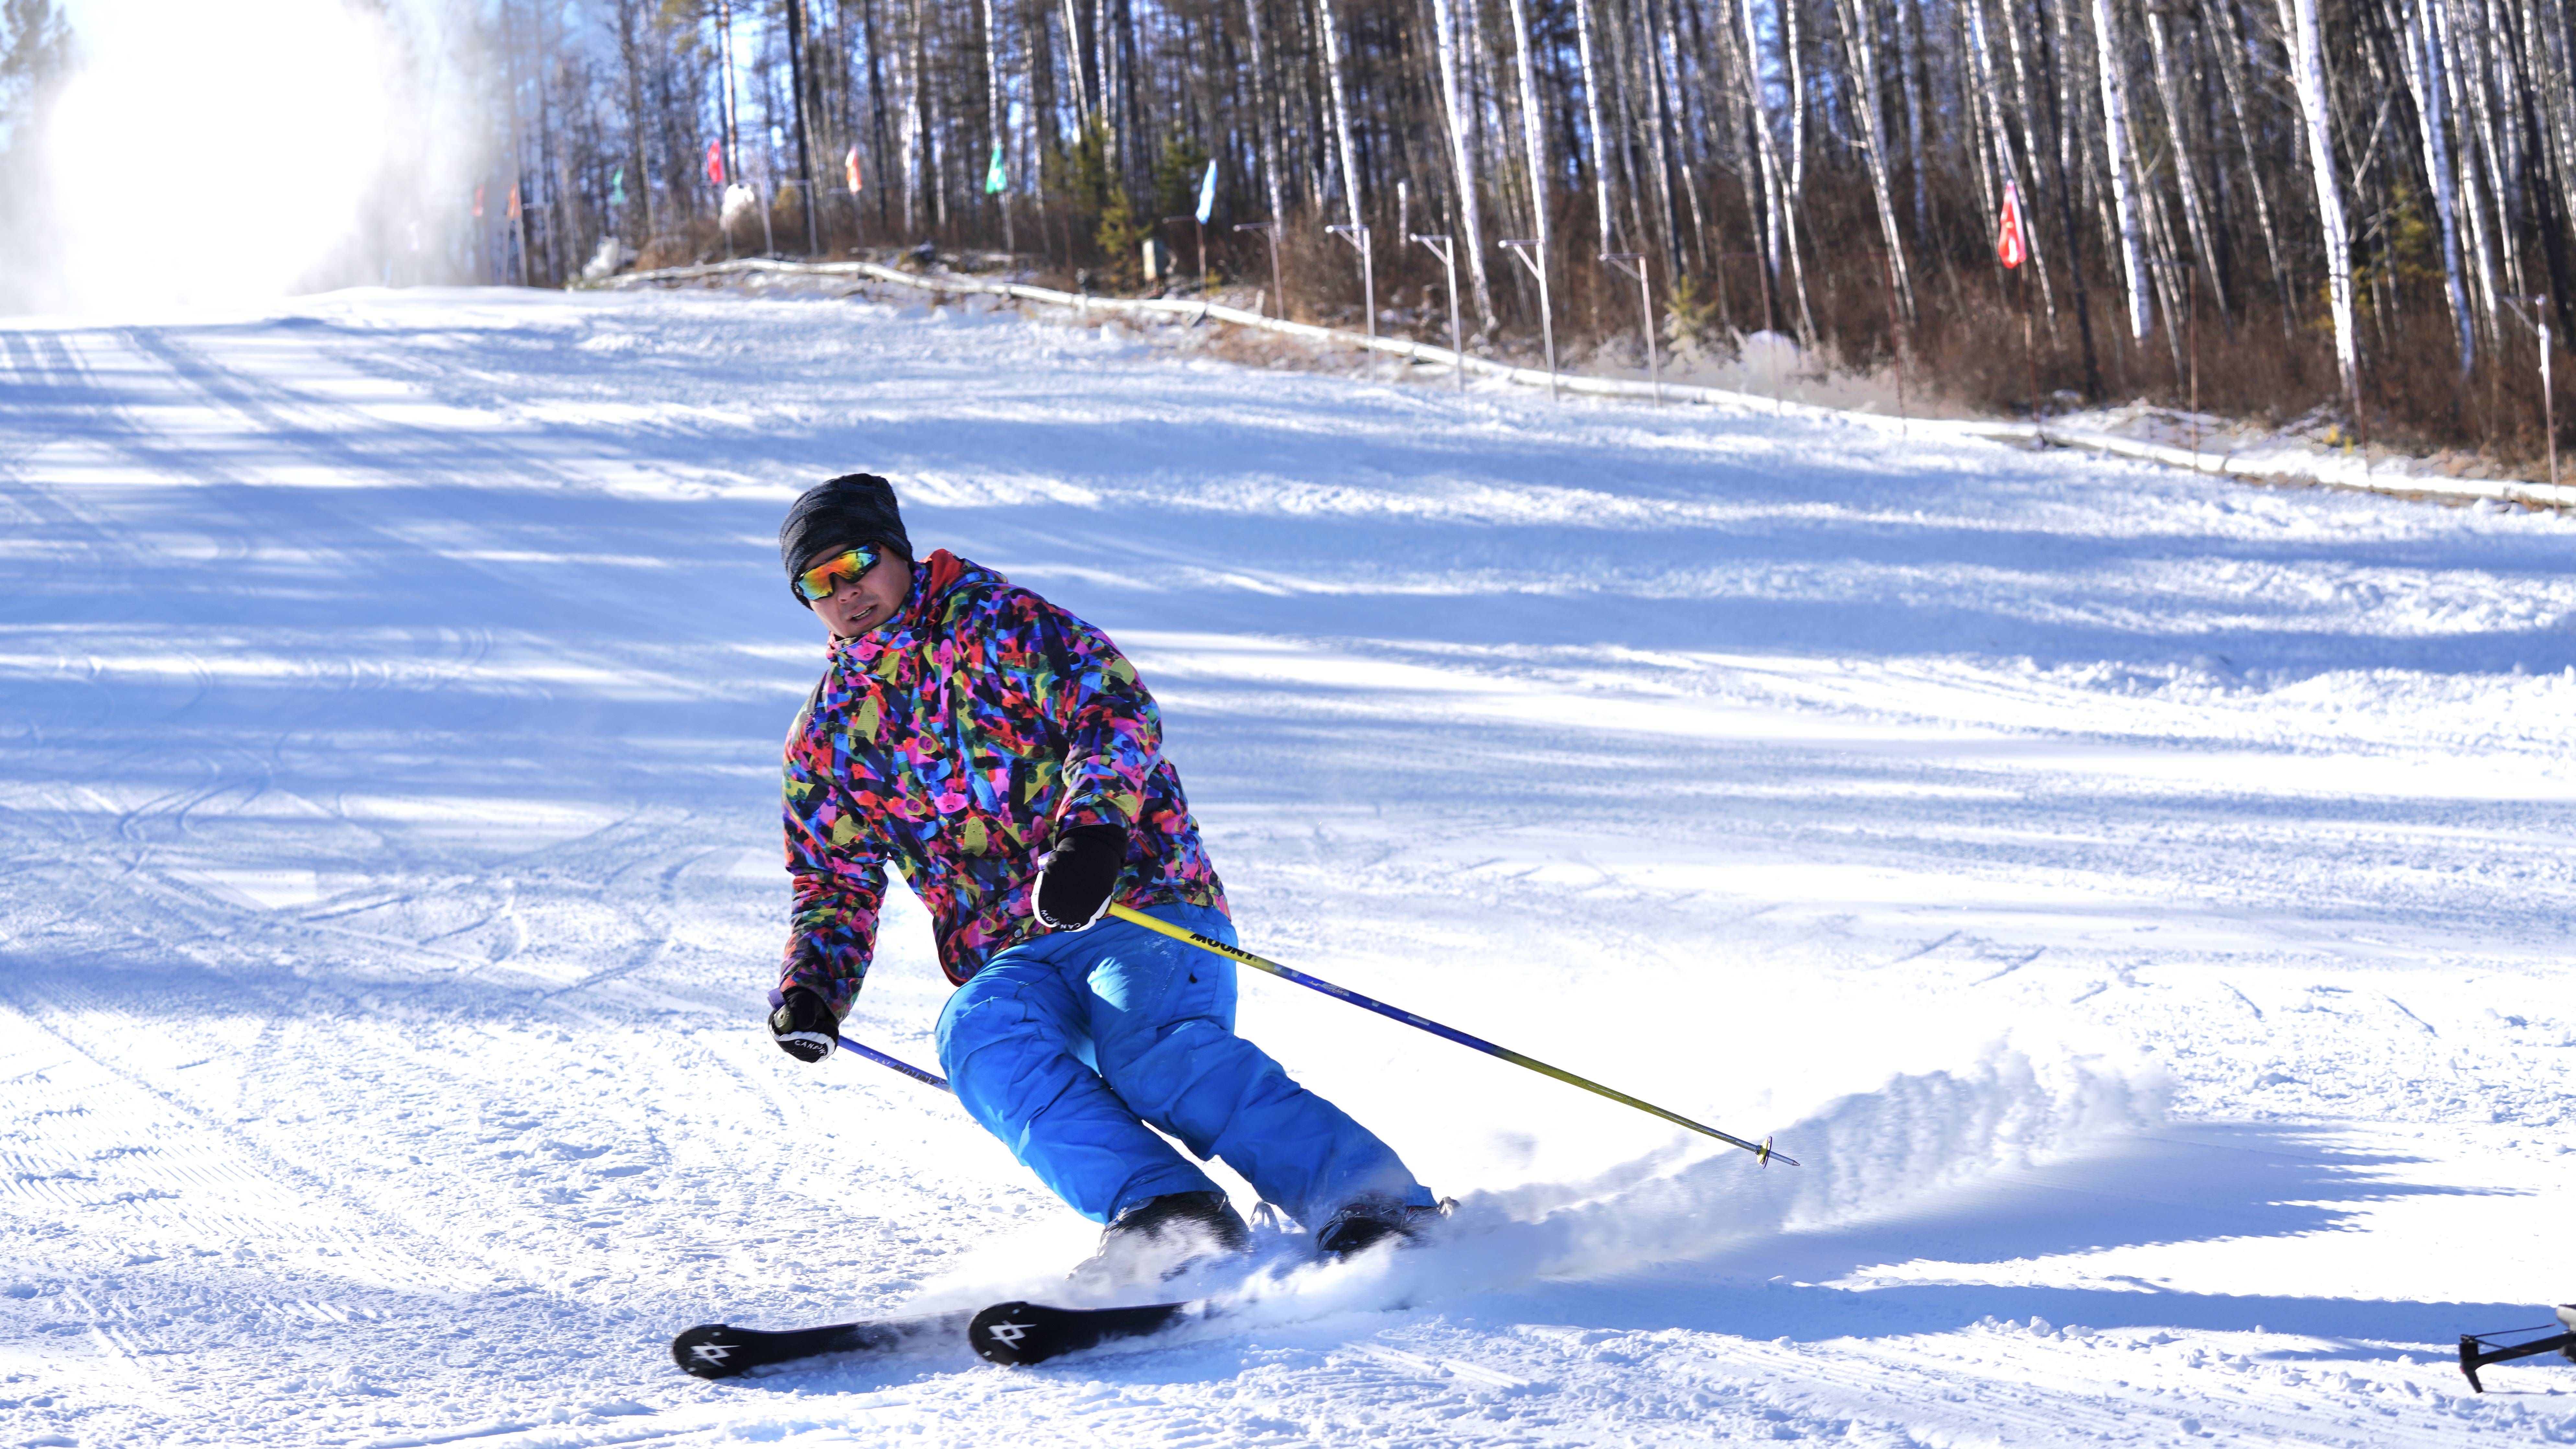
1357, 234
1634, 264
1896, 342
1533, 255
2030, 352
2538, 321
1270, 229
2549, 406
1449, 259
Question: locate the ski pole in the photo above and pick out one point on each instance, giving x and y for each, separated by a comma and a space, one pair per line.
1761, 1150
907, 1068
880, 1058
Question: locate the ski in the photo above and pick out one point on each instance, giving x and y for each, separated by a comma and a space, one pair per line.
1027, 1333
720, 1350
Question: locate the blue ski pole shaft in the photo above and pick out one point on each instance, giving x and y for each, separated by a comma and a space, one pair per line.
880, 1058
907, 1068
1761, 1150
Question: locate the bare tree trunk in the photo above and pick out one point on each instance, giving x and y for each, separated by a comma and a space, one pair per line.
631, 51
2553, 152
2474, 198
994, 117
876, 111
1077, 69
1909, 58
914, 141
934, 125
1341, 106
1265, 121
2204, 240
1533, 140
1793, 58
1982, 53
2231, 68
1627, 126
1592, 120
1780, 234
2060, 82
1104, 73
1860, 45
732, 117
1660, 123
2033, 184
798, 81
518, 145
2124, 183
1463, 159
2424, 80
2308, 74
559, 234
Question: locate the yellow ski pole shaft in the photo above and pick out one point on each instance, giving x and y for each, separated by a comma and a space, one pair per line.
1761, 1150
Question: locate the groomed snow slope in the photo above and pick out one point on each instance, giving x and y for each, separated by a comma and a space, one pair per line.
2139, 899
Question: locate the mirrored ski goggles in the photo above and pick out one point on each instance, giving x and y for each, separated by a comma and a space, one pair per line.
818, 583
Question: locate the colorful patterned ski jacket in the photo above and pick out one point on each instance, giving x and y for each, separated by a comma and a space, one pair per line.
955, 742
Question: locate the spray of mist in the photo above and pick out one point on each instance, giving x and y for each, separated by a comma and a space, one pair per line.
230, 152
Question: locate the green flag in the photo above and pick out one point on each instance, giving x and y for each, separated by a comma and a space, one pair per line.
617, 188
995, 180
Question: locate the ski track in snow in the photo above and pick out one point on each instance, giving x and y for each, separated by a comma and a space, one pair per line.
2138, 899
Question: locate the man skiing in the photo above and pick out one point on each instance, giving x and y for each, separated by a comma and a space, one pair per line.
1004, 756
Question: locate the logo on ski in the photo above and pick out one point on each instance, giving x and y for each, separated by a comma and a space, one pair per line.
720, 1351
1026, 1333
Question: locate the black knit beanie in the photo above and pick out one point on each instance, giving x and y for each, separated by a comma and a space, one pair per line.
850, 510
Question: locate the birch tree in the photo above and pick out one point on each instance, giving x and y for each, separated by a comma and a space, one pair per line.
1463, 158
2308, 74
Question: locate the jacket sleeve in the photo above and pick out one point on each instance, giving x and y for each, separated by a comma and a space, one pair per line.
838, 871
1113, 734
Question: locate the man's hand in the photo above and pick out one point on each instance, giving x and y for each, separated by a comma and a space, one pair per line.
804, 1026
1080, 876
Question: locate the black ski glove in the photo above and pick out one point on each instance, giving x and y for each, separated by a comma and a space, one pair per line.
804, 1026
1080, 876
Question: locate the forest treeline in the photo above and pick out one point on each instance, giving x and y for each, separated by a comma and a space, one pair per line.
2365, 206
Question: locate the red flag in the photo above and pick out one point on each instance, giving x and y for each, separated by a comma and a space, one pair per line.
715, 163
514, 201
478, 201
2009, 247
850, 164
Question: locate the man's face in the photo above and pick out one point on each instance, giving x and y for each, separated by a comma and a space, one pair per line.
866, 602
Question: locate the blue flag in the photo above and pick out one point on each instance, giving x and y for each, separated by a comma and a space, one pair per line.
1207, 192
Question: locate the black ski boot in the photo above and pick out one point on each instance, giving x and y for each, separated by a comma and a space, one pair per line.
1372, 1220
1162, 1238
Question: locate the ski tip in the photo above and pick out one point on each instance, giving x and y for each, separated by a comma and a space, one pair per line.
1006, 1333
709, 1351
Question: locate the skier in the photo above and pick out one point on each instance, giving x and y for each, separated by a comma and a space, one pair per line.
1004, 756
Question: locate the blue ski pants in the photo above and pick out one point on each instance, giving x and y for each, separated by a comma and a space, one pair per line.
1073, 1048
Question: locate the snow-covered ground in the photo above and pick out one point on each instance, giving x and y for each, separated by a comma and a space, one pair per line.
2137, 898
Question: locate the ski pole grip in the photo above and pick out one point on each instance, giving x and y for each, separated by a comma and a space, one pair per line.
778, 998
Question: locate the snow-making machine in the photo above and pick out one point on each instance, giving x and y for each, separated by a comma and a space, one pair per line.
2477, 1351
